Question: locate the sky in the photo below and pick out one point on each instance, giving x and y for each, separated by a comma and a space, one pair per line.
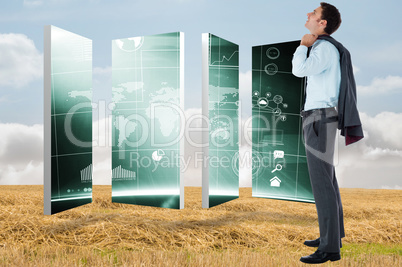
368, 30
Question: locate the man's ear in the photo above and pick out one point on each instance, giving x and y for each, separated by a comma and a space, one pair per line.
323, 23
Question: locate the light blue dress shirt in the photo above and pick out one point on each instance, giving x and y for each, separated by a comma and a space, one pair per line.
323, 72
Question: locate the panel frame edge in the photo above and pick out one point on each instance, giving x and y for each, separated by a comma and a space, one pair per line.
205, 114
183, 123
47, 96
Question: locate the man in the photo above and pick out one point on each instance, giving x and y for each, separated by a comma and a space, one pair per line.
326, 64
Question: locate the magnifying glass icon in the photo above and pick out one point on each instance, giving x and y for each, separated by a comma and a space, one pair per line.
278, 167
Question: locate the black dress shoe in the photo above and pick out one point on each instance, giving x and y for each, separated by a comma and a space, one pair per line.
321, 257
312, 243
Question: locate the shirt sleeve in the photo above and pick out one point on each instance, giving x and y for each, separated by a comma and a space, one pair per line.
318, 60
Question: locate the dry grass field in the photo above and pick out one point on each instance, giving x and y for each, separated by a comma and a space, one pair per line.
244, 232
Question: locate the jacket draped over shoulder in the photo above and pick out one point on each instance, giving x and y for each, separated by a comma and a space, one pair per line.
348, 116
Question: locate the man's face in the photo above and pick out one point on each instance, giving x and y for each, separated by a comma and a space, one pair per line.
314, 21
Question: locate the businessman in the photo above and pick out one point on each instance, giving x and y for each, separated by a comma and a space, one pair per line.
330, 103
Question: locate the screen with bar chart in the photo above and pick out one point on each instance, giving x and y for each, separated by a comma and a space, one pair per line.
67, 120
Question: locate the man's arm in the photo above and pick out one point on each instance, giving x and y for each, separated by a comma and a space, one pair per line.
308, 40
318, 60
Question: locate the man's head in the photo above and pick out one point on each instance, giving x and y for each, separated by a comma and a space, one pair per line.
325, 19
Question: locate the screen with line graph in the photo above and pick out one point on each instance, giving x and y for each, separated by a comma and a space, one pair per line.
147, 118
67, 120
279, 167
220, 104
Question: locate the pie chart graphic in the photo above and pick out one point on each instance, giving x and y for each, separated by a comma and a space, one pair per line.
158, 154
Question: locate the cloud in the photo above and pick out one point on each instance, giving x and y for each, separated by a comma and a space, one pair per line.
192, 173
36, 3
245, 167
102, 78
245, 93
102, 71
21, 154
20, 61
31, 174
356, 69
374, 162
389, 53
389, 187
102, 162
32, 3
102, 82
384, 130
387, 85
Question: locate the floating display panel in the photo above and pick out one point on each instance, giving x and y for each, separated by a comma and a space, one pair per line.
148, 94
67, 120
220, 104
279, 166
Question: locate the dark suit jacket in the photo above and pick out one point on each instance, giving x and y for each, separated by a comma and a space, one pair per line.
348, 115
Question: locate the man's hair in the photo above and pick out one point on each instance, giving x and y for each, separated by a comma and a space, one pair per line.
332, 16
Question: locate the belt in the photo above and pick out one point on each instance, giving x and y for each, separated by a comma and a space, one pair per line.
320, 111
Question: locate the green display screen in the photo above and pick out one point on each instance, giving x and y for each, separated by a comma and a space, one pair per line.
67, 120
220, 174
279, 167
147, 118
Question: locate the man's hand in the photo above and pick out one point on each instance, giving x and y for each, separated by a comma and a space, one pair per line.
308, 40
